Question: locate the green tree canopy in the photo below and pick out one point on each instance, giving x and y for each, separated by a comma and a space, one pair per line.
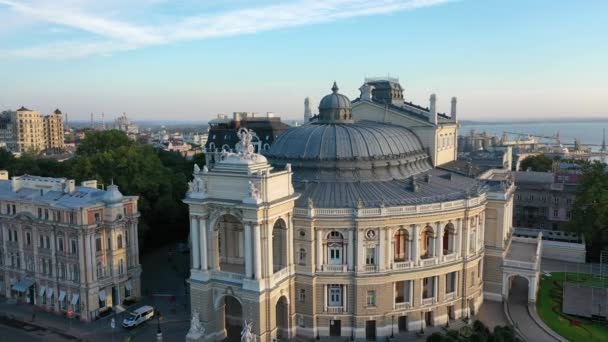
539, 162
590, 208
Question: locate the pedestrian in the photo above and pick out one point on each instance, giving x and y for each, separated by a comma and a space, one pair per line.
33, 316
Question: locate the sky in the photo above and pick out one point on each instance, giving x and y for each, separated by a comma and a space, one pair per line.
193, 59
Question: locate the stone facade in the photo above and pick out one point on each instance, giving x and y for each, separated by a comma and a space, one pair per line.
66, 247
27, 130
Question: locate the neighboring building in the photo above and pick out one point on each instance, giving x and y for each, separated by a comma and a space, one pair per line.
543, 200
122, 123
68, 247
27, 130
475, 163
344, 227
222, 131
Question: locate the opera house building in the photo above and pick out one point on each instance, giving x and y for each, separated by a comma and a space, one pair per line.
347, 226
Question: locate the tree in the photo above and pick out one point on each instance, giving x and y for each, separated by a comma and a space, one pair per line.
590, 208
480, 333
539, 162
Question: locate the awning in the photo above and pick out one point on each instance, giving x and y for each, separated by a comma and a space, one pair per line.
23, 285
128, 285
75, 297
102, 295
41, 292
61, 296
49, 293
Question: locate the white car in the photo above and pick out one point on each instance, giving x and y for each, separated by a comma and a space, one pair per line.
138, 316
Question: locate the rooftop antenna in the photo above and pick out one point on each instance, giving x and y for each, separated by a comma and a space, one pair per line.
603, 149
91, 119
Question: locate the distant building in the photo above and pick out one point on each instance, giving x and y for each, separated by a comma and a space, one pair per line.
68, 247
543, 200
307, 111
27, 130
222, 130
123, 123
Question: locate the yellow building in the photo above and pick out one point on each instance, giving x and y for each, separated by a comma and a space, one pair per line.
26, 130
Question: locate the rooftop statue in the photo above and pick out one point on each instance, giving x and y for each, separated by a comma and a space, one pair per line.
246, 334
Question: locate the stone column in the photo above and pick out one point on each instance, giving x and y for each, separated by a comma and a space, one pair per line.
20, 244
350, 253
92, 258
82, 272
54, 268
324, 299
248, 254
459, 237
257, 251
415, 245
270, 249
194, 240
345, 298
135, 242
203, 247
466, 237
381, 249
319, 249
5, 256
360, 251
289, 242
438, 241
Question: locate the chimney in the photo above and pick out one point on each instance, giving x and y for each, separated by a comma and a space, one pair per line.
433, 109
453, 109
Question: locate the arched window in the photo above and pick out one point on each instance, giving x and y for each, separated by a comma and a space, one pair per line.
335, 248
448, 241
401, 245
426, 248
119, 241
302, 256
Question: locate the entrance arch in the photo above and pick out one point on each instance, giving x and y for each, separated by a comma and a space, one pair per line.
519, 289
233, 317
282, 318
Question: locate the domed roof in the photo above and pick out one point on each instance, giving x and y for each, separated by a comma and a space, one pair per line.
334, 100
357, 151
335, 107
112, 195
57, 111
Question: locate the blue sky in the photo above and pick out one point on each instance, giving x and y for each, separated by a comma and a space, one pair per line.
187, 59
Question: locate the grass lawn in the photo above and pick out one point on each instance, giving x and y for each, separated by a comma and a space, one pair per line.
573, 328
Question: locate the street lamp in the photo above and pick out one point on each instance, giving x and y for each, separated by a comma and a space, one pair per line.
318, 337
393, 326
422, 323
159, 333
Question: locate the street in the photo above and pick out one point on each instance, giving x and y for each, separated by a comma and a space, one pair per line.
163, 287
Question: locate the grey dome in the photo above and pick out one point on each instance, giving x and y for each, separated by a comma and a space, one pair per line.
335, 107
112, 195
364, 150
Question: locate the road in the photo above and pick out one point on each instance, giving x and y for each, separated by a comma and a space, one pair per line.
518, 309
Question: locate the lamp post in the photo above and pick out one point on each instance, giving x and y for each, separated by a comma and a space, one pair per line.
159, 333
393, 326
422, 323
318, 337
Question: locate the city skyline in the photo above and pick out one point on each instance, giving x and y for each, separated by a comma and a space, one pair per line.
153, 59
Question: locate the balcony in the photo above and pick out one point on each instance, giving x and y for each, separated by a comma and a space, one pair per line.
370, 268
450, 296
428, 301
334, 268
428, 262
403, 306
402, 265
450, 257
335, 309
280, 275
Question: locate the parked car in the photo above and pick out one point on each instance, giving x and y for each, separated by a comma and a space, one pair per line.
138, 317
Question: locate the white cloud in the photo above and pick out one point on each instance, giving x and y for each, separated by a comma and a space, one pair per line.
114, 35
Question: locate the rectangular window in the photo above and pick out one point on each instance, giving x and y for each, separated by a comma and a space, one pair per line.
46, 214
72, 218
370, 256
28, 238
555, 213
371, 298
39, 213
556, 200
60, 244
335, 295
450, 282
302, 295
41, 242
97, 217
73, 243
569, 214
335, 255
428, 287
98, 245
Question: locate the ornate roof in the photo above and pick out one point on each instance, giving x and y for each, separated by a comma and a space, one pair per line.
363, 150
335, 107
